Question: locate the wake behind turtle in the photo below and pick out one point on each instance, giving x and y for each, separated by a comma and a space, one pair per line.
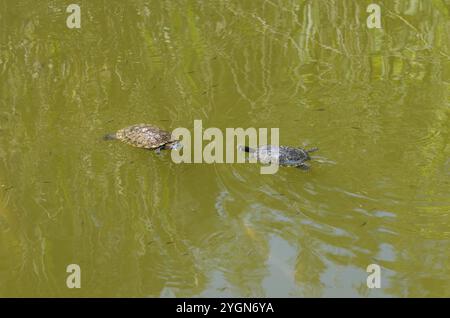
145, 136
283, 155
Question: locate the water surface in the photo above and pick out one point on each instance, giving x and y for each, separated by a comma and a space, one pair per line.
376, 103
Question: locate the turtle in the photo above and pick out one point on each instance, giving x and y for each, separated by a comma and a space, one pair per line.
145, 136
284, 155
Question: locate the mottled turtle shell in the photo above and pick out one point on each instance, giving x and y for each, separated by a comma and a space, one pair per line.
144, 136
283, 155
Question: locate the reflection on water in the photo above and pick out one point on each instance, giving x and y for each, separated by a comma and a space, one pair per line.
376, 103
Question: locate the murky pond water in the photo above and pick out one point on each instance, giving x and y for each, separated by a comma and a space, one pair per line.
375, 101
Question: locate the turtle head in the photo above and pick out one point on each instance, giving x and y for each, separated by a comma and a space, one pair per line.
175, 145
246, 149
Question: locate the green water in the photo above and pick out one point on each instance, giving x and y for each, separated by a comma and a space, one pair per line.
375, 101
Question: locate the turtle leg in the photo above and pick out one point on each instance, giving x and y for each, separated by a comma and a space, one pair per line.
158, 150
303, 166
312, 150
294, 164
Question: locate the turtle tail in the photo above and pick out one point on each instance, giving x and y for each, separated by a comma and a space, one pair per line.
110, 137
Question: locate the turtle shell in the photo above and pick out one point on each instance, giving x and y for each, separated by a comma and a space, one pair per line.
283, 155
144, 136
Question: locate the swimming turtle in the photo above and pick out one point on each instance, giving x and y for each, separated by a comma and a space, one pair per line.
284, 155
145, 136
